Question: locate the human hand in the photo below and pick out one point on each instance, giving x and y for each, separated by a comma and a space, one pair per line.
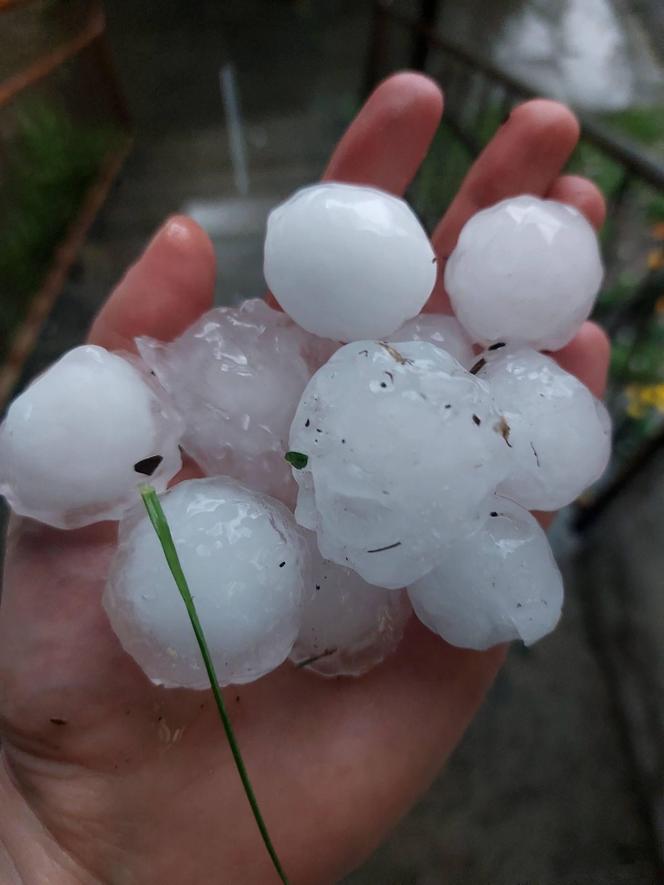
107, 778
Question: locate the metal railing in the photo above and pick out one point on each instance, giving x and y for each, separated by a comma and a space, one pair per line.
90, 38
478, 98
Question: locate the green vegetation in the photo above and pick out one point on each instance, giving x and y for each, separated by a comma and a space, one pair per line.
49, 162
640, 124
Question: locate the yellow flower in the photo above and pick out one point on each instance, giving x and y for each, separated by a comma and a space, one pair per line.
655, 259
642, 398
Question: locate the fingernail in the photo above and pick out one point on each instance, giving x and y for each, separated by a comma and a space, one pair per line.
173, 228
176, 229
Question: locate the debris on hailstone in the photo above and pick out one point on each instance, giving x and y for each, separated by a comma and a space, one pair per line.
560, 434
403, 446
441, 330
499, 584
347, 626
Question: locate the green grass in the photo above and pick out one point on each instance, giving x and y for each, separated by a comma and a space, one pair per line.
641, 124
160, 524
439, 177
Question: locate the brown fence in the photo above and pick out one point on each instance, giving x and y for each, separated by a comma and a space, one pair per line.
82, 42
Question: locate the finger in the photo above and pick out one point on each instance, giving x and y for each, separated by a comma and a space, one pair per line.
525, 156
387, 141
587, 357
168, 288
582, 194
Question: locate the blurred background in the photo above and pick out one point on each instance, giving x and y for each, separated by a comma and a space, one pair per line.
113, 117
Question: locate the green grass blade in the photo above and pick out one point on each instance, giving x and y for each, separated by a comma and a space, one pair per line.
162, 529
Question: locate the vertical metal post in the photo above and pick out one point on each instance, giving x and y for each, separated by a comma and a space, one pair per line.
377, 48
429, 10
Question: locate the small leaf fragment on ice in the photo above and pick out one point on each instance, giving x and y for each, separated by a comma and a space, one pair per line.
297, 460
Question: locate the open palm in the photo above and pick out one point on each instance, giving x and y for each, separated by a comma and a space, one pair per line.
107, 778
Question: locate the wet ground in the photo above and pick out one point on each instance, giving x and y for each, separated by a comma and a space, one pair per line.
559, 780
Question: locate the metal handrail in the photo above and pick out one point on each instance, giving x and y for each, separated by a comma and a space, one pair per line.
90, 38
621, 150
92, 29
636, 168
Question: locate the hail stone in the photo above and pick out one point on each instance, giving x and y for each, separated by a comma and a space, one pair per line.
236, 376
441, 330
78, 442
348, 626
246, 564
348, 262
500, 584
526, 271
403, 446
560, 434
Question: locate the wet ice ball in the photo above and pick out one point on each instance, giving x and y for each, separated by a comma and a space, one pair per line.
245, 561
348, 626
403, 445
526, 270
77, 443
348, 262
441, 330
502, 583
560, 434
236, 376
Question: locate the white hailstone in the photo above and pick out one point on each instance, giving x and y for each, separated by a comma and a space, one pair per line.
560, 433
500, 584
526, 270
348, 626
75, 446
245, 561
236, 376
348, 262
442, 330
403, 445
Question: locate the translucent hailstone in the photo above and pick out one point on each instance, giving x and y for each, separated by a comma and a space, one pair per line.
403, 446
559, 432
348, 626
348, 262
525, 270
444, 331
500, 584
245, 561
236, 377
76, 444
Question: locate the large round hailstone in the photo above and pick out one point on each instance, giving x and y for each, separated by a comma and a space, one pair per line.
559, 432
403, 445
348, 262
245, 561
236, 376
526, 270
75, 446
500, 584
348, 626
441, 330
